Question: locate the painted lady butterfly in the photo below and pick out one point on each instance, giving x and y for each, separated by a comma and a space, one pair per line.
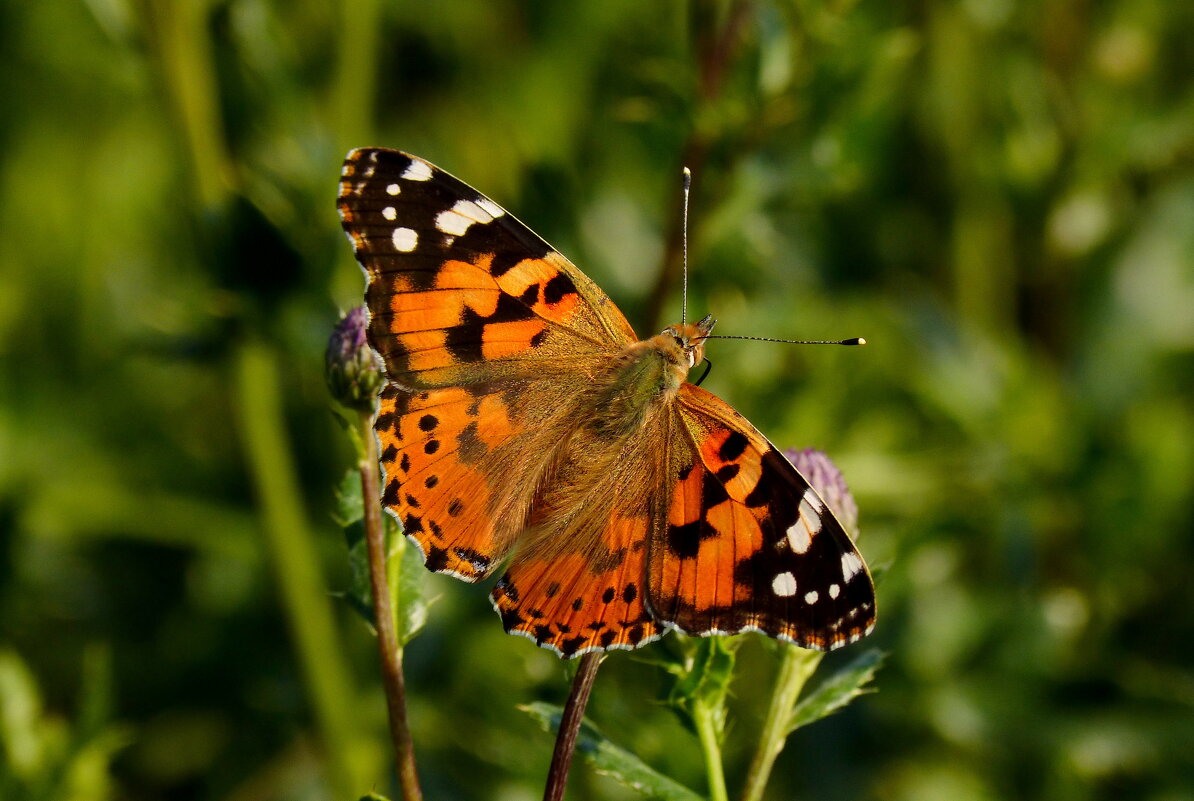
522, 410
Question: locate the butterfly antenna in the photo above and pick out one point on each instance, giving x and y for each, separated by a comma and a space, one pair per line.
684, 246
852, 341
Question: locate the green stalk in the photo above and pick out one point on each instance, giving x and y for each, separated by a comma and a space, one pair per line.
795, 668
291, 549
388, 644
708, 733
356, 73
184, 52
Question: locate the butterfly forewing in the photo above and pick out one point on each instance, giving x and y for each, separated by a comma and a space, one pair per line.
459, 290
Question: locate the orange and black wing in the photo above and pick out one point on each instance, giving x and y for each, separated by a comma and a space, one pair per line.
748, 545
460, 292
582, 600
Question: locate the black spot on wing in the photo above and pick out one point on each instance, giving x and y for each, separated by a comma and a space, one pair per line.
571, 645
557, 288
727, 473
712, 491
437, 558
774, 468
530, 295
733, 447
684, 540
465, 340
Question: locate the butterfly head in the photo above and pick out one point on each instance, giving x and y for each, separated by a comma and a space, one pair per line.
687, 340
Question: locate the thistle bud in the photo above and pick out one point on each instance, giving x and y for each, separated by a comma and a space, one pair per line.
354, 372
827, 480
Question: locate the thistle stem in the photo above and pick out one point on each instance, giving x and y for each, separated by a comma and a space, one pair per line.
388, 646
707, 734
574, 712
795, 668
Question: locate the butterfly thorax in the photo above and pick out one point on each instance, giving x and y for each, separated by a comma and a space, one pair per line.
647, 375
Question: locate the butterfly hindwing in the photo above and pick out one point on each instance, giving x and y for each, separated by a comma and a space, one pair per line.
748, 544
459, 290
585, 600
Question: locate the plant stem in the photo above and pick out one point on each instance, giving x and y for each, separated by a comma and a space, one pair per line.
388, 646
707, 733
574, 712
795, 668
291, 549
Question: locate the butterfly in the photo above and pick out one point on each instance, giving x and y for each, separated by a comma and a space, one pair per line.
522, 415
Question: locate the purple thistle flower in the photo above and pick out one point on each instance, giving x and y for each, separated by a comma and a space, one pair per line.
827, 480
354, 373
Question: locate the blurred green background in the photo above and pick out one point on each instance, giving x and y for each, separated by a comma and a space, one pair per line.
998, 194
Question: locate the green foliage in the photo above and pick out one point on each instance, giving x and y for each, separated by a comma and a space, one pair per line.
610, 760
837, 690
997, 195
404, 566
46, 758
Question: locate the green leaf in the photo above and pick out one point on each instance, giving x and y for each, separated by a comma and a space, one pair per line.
611, 760
407, 576
374, 797
349, 505
404, 567
358, 594
837, 690
702, 679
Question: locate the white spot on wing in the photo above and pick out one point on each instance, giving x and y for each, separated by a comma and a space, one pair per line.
417, 171
812, 500
389, 213
811, 597
851, 565
491, 208
405, 240
799, 537
834, 591
456, 220
784, 585
393, 189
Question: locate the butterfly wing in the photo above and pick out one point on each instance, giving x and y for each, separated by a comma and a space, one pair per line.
748, 544
589, 599
486, 333
459, 291
576, 583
